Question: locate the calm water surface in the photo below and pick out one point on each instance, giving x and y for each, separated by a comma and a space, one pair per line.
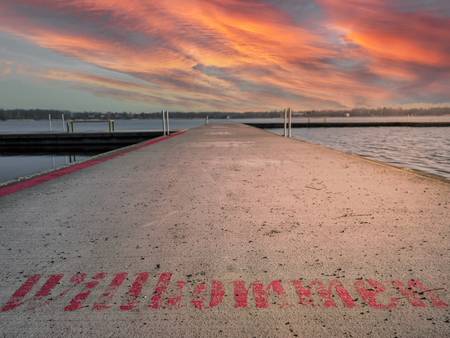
16, 166
426, 149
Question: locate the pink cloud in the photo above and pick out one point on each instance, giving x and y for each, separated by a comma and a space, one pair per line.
238, 55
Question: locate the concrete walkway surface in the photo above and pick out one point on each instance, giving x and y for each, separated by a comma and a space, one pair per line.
227, 231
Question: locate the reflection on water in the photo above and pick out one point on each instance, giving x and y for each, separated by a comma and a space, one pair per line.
426, 149
15, 166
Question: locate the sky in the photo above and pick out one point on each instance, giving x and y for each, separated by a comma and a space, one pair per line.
223, 55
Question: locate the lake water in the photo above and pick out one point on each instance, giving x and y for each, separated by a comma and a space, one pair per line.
15, 166
426, 149
20, 165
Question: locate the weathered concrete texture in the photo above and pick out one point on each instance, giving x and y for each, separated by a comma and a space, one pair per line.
229, 203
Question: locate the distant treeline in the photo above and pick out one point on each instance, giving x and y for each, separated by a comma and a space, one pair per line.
41, 114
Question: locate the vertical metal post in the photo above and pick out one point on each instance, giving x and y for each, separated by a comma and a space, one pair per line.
50, 122
63, 122
164, 121
168, 122
206, 120
113, 125
290, 122
285, 122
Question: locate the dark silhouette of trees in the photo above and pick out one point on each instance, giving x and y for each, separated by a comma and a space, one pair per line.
41, 114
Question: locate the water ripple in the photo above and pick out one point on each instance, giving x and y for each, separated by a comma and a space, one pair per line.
426, 149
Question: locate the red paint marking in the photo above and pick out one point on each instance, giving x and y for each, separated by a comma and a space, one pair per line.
198, 291
369, 294
435, 300
260, 293
45, 291
47, 288
240, 294
326, 293
216, 298
175, 302
75, 280
78, 300
17, 298
303, 292
18, 186
160, 289
217, 293
135, 291
408, 293
207, 296
110, 291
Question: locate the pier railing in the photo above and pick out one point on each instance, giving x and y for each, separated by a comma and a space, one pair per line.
71, 124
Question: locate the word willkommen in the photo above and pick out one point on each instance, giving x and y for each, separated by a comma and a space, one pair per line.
137, 292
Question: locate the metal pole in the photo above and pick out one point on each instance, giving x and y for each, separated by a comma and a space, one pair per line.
113, 125
164, 121
285, 122
50, 122
206, 120
168, 123
290, 122
63, 122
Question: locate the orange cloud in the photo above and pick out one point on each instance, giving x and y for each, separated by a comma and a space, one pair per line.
236, 55
385, 31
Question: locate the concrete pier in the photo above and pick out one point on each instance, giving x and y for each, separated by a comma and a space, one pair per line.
353, 124
64, 142
227, 231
